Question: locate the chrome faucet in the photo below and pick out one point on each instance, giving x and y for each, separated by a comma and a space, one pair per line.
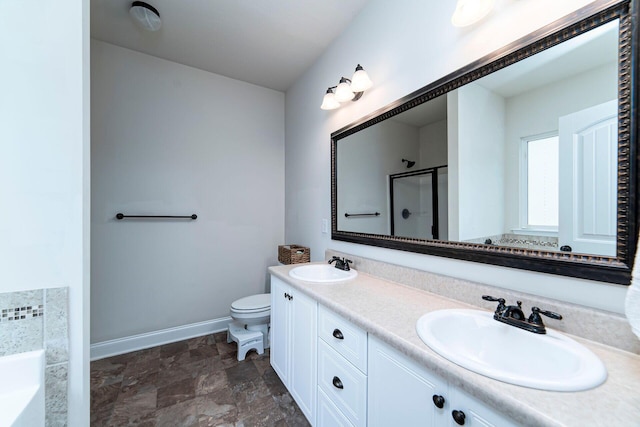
341, 263
514, 316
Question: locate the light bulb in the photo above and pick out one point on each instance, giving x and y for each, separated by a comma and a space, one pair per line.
470, 11
360, 80
343, 91
329, 101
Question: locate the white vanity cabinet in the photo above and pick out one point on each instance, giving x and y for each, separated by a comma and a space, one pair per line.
293, 343
341, 376
342, 371
402, 392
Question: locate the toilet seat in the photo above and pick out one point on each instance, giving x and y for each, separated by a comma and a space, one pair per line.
252, 304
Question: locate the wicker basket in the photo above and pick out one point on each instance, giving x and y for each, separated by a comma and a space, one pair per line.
293, 254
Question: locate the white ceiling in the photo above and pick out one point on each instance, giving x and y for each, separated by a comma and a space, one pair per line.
585, 52
577, 55
269, 43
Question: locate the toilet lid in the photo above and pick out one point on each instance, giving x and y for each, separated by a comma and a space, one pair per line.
253, 302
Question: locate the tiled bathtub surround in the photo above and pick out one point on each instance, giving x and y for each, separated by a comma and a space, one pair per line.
596, 325
36, 319
18, 336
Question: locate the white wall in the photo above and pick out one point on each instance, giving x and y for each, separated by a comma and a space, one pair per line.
433, 144
385, 38
434, 152
373, 154
44, 169
174, 140
568, 96
479, 160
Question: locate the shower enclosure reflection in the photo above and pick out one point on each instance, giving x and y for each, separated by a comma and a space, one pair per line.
419, 203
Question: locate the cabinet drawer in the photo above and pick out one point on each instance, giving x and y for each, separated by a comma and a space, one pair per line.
344, 337
328, 414
343, 383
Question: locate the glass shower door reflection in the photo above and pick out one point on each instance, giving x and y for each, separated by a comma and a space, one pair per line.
414, 203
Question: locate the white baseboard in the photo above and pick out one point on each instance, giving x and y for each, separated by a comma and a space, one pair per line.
152, 339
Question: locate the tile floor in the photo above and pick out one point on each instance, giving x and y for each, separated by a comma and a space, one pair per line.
197, 382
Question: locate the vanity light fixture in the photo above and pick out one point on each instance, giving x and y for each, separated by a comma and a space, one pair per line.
347, 89
343, 91
470, 11
329, 101
145, 15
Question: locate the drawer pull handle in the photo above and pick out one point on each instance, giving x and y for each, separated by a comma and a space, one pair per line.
458, 417
337, 383
337, 333
438, 401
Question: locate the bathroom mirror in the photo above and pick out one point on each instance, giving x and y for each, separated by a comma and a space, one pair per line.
525, 158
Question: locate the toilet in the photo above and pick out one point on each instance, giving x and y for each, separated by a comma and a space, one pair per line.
250, 328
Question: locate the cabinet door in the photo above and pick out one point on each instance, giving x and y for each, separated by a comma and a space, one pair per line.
401, 391
303, 382
280, 321
476, 413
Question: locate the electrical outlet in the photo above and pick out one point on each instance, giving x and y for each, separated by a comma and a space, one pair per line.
325, 226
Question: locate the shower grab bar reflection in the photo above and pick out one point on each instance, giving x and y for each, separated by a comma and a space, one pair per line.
121, 216
362, 214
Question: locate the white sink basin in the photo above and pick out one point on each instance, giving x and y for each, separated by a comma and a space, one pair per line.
322, 273
475, 341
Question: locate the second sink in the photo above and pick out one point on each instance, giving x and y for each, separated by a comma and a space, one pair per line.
475, 341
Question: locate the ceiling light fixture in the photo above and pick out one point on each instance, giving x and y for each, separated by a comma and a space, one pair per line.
470, 11
145, 15
347, 89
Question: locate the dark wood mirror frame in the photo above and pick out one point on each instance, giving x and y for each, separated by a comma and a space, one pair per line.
601, 268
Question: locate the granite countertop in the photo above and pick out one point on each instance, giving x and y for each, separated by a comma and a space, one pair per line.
390, 311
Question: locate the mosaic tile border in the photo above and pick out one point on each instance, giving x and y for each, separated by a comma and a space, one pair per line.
21, 313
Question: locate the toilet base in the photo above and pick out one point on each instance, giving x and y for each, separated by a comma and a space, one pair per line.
246, 339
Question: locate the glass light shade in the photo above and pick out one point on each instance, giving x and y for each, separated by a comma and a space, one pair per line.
145, 15
344, 92
470, 11
360, 80
329, 101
